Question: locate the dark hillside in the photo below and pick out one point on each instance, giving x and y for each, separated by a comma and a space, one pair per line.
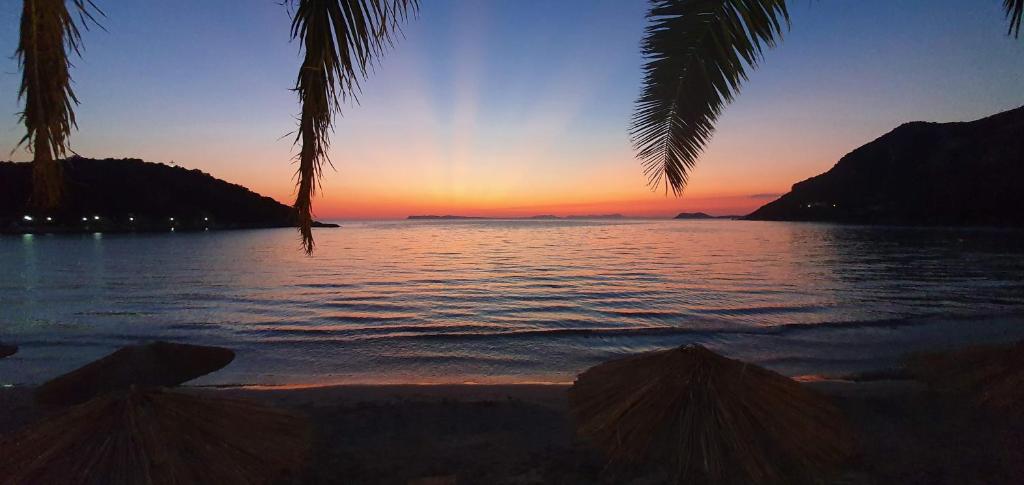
920, 174
131, 194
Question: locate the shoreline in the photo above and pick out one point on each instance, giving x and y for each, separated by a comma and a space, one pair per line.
42, 230
851, 351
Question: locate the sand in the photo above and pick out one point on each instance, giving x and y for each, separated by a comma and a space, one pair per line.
521, 434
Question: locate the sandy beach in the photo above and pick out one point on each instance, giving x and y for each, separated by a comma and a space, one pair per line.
521, 434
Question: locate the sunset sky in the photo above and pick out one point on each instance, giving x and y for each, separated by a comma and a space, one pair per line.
512, 108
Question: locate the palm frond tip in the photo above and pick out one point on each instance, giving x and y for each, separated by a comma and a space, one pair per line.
342, 39
1014, 13
48, 31
697, 54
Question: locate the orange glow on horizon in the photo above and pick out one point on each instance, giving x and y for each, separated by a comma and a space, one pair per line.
378, 207
519, 183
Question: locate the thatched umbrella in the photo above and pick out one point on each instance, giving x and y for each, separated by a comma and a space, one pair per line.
709, 419
158, 364
156, 437
7, 350
991, 375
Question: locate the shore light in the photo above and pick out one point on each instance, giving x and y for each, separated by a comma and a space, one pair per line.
131, 219
206, 218
172, 219
49, 219
27, 218
85, 219
95, 218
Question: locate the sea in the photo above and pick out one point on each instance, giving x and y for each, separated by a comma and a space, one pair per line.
508, 301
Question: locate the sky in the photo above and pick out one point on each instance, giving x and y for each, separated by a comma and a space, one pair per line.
515, 108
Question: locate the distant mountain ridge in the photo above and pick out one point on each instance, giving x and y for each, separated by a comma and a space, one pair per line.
965, 173
131, 194
446, 217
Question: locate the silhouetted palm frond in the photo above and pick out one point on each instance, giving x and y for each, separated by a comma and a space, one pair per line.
341, 39
1014, 12
48, 32
697, 53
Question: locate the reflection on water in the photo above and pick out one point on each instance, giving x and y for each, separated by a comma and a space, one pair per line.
503, 301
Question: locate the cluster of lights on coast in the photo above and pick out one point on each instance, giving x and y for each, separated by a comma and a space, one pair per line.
96, 218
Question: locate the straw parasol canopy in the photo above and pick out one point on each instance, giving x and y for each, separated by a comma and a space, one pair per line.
157, 437
7, 350
992, 375
709, 419
158, 364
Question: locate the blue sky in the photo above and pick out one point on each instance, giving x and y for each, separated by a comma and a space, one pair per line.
517, 106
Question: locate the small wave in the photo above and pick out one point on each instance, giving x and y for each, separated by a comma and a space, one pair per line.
552, 308
453, 359
414, 334
879, 323
326, 285
754, 310
637, 313
566, 332
386, 331
368, 317
102, 313
363, 306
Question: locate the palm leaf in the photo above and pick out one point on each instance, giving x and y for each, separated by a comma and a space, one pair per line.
341, 39
48, 33
697, 54
1014, 12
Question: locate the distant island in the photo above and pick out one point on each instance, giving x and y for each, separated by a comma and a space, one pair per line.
693, 215
116, 195
537, 217
444, 217
703, 215
598, 216
920, 174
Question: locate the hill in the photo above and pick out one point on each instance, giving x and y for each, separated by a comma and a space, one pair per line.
693, 215
130, 194
921, 173
446, 217
596, 216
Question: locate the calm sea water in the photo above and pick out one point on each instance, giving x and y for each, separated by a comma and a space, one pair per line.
508, 301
